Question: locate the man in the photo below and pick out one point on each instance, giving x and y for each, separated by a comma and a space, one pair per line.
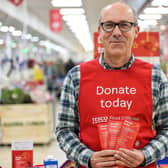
88, 99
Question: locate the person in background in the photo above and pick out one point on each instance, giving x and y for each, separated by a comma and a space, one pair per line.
87, 99
69, 64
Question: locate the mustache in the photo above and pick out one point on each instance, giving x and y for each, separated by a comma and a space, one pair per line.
117, 39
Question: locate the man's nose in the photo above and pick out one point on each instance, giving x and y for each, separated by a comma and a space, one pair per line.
117, 30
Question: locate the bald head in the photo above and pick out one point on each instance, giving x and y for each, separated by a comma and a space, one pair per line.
122, 8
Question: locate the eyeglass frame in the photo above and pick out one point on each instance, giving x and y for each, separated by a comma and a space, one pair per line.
117, 24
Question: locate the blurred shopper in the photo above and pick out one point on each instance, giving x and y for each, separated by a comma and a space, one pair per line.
55, 74
87, 99
69, 65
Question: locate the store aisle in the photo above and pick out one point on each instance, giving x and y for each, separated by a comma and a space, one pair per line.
39, 154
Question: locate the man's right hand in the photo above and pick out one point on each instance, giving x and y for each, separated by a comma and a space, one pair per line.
104, 158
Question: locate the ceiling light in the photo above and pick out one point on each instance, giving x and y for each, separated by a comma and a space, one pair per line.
53, 46
160, 3
4, 29
78, 24
28, 36
147, 23
42, 43
35, 39
72, 11
17, 33
66, 3
81, 23
74, 18
86, 41
11, 28
150, 16
159, 10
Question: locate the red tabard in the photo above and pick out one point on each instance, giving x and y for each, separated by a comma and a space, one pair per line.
106, 95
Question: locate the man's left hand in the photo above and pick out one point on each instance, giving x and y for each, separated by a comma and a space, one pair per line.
129, 158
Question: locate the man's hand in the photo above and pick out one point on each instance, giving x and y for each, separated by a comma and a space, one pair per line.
129, 158
104, 158
117, 158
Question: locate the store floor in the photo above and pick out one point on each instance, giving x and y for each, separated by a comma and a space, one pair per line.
39, 154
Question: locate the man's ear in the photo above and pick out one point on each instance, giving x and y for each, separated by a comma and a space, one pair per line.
99, 38
137, 31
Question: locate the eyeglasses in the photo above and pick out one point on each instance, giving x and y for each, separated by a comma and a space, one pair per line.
123, 26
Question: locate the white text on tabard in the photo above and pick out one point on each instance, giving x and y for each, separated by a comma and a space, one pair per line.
118, 102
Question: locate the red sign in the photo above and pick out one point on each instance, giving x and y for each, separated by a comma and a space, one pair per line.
98, 48
146, 45
16, 2
55, 20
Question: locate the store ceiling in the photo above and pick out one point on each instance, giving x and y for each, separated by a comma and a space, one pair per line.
40, 9
92, 10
